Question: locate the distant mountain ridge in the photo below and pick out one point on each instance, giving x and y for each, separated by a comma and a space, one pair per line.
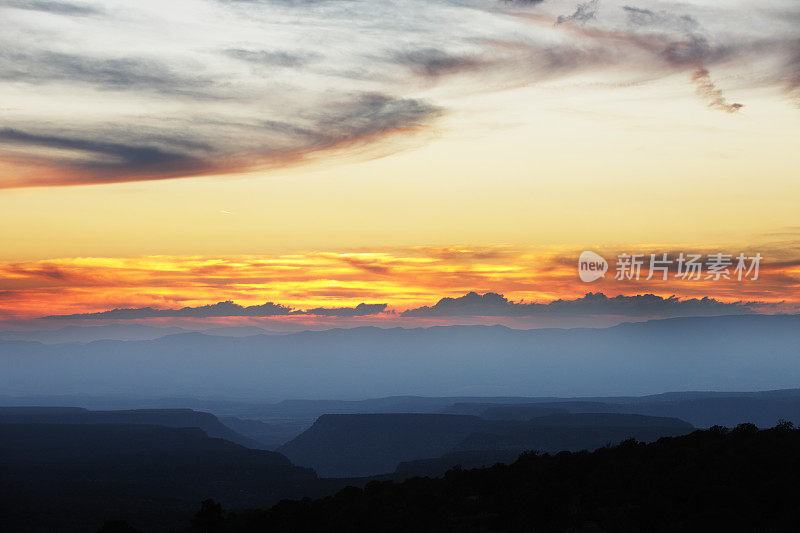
273, 424
175, 418
725, 352
121, 332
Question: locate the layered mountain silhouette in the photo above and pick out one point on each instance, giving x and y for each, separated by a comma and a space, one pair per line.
152, 466
763, 409
267, 435
177, 418
704, 353
364, 445
438, 466
715, 480
496, 392
73, 477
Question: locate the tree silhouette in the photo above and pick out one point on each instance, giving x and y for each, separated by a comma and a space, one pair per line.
744, 479
117, 526
210, 518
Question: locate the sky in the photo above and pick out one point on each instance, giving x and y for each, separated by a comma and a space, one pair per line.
325, 153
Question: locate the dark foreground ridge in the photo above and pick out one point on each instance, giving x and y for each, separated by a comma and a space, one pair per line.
73, 477
712, 480
371, 444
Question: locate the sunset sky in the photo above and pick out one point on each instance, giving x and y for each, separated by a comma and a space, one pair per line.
325, 153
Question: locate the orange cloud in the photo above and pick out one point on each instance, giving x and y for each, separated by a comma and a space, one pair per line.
402, 278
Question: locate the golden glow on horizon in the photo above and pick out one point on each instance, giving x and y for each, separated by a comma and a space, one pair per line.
402, 278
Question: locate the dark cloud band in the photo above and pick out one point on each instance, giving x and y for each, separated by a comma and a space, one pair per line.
224, 309
647, 305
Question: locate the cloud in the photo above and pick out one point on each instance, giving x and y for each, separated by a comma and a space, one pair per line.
694, 51
470, 254
406, 278
280, 58
226, 94
221, 309
103, 158
367, 266
118, 73
433, 63
45, 271
243, 105
471, 304
346, 312
646, 17
224, 309
56, 8
594, 304
714, 96
583, 13
368, 115
113, 155
792, 69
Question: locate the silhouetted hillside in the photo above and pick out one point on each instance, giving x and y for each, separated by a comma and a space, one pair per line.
66, 477
363, 445
438, 466
287, 419
123, 332
179, 418
701, 409
764, 411
389, 404
572, 432
526, 411
744, 480
469, 408
267, 436
605, 420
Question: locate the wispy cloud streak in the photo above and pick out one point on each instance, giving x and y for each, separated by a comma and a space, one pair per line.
213, 87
